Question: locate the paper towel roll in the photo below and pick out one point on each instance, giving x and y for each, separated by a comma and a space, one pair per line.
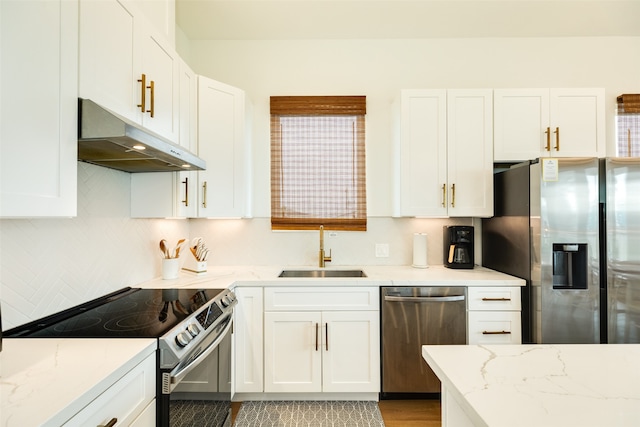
420, 250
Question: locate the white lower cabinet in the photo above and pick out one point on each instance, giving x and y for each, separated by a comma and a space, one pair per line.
130, 400
248, 340
494, 315
321, 340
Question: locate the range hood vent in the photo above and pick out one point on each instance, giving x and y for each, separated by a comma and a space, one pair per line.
106, 139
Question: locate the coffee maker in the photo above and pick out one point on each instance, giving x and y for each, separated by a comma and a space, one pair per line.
458, 246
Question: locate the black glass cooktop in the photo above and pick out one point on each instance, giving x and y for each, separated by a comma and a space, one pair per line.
130, 312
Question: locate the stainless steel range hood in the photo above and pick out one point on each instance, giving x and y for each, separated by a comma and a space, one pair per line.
107, 139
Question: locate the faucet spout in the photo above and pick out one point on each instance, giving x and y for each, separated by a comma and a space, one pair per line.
322, 258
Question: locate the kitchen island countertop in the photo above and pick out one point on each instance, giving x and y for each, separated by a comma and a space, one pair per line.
45, 381
538, 385
243, 275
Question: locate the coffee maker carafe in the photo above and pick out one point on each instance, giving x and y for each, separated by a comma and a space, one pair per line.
458, 246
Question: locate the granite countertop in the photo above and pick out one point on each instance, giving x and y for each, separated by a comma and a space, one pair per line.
542, 385
438, 275
45, 381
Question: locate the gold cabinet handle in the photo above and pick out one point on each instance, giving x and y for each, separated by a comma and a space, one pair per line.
316, 336
143, 92
204, 194
186, 191
326, 336
444, 195
557, 132
453, 195
548, 133
111, 423
151, 88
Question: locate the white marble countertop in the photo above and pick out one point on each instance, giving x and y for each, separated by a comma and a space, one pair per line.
45, 381
542, 385
438, 275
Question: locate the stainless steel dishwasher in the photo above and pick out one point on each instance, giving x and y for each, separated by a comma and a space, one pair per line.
411, 318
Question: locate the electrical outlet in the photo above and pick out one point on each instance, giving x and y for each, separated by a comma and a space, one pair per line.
382, 250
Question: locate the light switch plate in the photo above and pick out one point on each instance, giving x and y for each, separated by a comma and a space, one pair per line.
382, 250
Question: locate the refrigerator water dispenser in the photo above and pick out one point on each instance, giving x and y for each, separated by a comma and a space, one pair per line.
569, 266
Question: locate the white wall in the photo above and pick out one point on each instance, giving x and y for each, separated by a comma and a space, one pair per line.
380, 68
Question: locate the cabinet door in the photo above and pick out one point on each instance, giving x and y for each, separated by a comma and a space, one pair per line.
187, 203
470, 152
292, 352
421, 157
160, 64
248, 340
188, 110
521, 117
223, 187
577, 122
109, 60
147, 418
125, 400
39, 85
351, 351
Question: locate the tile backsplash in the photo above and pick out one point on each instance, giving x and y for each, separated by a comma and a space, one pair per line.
47, 265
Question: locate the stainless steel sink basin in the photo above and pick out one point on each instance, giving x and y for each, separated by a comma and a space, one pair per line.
322, 273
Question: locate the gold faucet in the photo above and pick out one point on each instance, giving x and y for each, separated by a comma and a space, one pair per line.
322, 258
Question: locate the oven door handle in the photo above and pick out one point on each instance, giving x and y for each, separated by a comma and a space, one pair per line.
177, 376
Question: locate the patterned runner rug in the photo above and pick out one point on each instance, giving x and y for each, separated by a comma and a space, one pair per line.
309, 414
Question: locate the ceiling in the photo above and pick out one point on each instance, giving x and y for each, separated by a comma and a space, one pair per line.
394, 19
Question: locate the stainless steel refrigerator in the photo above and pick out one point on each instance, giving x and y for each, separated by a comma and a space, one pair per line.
623, 249
545, 230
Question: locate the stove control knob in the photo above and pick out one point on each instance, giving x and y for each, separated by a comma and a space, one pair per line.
183, 338
193, 329
226, 301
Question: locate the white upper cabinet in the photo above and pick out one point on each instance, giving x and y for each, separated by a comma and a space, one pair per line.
127, 66
39, 86
224, 143
172, 194
187, 203
532, 123
160, 65
222, 140
444, 153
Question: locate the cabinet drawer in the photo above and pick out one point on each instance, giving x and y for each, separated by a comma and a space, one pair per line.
125, 399
321, 298
494, 327
494, 298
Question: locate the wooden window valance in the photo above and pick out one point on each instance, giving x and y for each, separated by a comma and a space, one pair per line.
629, 103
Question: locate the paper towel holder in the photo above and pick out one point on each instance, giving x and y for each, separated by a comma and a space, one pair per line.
420, 250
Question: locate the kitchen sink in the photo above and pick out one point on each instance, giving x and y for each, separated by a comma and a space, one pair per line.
322, 273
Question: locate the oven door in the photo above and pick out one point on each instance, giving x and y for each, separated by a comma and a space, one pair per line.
197, 392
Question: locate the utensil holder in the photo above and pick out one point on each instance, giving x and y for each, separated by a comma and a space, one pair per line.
195, 266
170, 268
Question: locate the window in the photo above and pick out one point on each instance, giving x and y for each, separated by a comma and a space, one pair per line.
318, 162
628, 126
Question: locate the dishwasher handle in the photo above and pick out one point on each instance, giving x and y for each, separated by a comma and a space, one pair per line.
424, 299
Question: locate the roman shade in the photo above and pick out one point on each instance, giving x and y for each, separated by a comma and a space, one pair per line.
318, 162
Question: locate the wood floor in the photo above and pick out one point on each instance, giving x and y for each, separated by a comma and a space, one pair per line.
398, 413
410, 413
